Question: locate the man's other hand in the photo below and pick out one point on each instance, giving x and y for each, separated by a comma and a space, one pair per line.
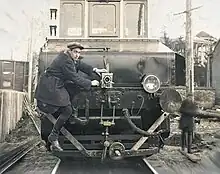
98, 71
95, 83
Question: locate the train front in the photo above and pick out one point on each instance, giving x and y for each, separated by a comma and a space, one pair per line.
125, 115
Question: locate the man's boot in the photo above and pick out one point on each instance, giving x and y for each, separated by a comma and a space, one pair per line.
74, 117
53, 137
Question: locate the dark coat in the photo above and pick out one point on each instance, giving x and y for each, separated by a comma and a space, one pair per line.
51, 87
187, 110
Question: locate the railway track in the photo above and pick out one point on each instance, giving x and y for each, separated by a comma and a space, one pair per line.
8, 159
54, 171
40, 161
95, 167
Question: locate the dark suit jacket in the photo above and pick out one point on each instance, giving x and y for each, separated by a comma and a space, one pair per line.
51, 89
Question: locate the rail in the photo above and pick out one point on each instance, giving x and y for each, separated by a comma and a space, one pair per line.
149, 168
11, 157
54, 171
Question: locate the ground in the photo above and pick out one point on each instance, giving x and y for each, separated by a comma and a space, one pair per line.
23, 131
206, 146
38, 160
206, 142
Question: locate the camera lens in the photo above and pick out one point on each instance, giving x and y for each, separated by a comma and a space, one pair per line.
107, 79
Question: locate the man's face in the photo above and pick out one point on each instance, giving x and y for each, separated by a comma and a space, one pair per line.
75, 53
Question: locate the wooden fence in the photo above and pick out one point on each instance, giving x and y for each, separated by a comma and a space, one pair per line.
11, 107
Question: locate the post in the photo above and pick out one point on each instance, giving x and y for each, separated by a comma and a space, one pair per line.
30, 77
146, 20
208, 73
189, 51
30, 72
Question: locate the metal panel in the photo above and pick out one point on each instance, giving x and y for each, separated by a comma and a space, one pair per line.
7, 74
26, 75
19, 76
115, 44
125, 66
13, 75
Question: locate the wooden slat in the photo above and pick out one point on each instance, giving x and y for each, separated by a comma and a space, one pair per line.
1, 114
5, 114
13, 111
11, 106
153, 127
1, 78
191, 157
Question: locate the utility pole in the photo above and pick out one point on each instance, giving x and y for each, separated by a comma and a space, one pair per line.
30, 74
189, 60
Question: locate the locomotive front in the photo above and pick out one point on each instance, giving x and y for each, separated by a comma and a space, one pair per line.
128, 114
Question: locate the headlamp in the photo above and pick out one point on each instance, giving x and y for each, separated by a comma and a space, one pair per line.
151, 83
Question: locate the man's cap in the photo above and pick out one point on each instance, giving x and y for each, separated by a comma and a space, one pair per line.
73, 45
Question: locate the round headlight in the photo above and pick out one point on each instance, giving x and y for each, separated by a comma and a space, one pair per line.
151, 83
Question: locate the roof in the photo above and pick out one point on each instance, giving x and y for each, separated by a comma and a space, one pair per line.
115, 44
204, 34
201, 40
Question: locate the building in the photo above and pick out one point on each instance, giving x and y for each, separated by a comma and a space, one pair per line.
215, 73
203, 45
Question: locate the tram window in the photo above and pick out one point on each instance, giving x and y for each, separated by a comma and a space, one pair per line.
71, 20
134, 19
104, 19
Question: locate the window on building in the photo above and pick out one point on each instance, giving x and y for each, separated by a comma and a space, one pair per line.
53, 14
71, 20
53, 30
134, 20
104, 18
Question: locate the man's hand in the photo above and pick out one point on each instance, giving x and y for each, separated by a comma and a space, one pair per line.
99, 71
95, 83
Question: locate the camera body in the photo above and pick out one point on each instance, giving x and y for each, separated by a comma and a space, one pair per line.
106, 80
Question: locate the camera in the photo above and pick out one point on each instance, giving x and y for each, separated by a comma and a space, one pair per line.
106, 80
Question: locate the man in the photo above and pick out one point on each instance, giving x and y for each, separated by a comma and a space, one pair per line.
51, 94
188, 110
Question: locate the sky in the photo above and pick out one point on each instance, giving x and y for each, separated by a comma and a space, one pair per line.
16, 17
162, 17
